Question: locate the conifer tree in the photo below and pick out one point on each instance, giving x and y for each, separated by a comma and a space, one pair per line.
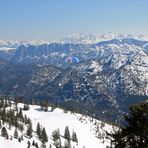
21, 127
56, 134
15, 133
22, 138
38, 130
29, 121
1, 103
67, 133
16, 122
9, 124
28, 144
29, 130
25, 119
0, 124
20, 114
33, 143
74, 137
19, 139
3, 114
36, 145
56, 138
4, 133
44, 136
135, 133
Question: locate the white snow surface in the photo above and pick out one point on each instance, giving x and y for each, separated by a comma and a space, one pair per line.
11, 143
7, 48
84, 128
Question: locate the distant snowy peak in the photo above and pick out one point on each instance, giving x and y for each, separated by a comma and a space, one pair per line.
12, 45
8, 44
82, 38
91, 39
79, 38
35, 42
111, 36
142, 37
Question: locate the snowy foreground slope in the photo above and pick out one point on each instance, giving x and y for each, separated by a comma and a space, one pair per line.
87, 130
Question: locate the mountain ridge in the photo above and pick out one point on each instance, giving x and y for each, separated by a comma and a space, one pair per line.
107, 75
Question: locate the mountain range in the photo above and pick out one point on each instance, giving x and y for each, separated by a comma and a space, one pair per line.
102, 76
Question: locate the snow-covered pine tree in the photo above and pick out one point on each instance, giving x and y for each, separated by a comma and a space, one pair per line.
38, 130
56, 134
36, 145
4, 133
33, 143
29, 131
56, 138
74, 137
15, 133
19, 139
44, 136
67, 133
28, 144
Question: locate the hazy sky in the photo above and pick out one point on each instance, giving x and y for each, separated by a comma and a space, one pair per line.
53, 19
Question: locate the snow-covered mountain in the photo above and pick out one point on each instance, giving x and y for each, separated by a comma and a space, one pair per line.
9, 44
64, 54
81, 46
12, 45
8, 48
108, 75
85, 38
90, 132
80, 38
106, 86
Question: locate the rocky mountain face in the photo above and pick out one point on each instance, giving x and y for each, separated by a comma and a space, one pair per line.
104, 87
101, 79
26, 80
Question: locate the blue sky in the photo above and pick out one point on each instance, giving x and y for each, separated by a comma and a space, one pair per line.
53, 19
